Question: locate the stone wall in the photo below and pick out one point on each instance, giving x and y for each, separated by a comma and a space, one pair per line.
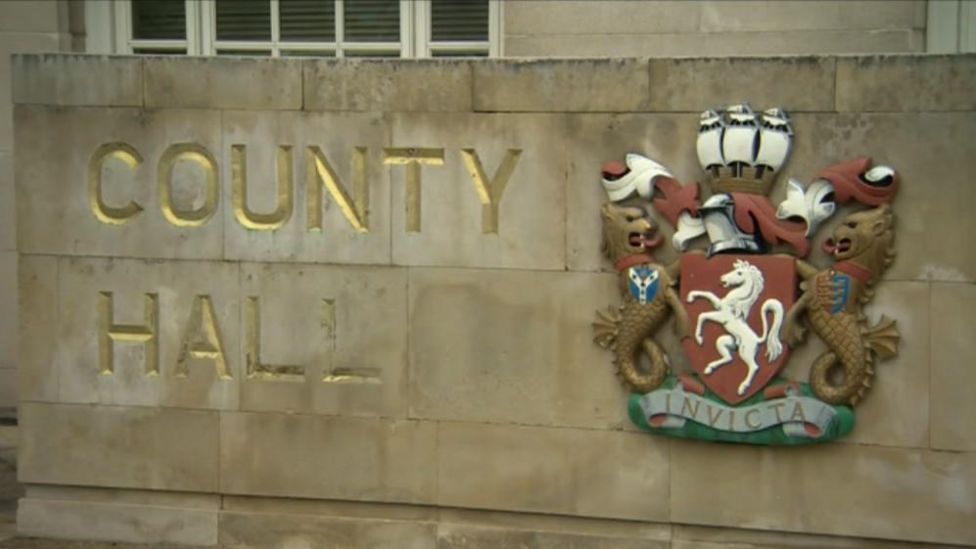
25, 26
678, 28
419, 372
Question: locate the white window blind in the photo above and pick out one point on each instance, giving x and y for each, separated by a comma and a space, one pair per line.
341, 28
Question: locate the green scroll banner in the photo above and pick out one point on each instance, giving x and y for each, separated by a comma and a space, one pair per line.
795, 417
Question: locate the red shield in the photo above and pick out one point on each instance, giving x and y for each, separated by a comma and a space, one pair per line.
737, 305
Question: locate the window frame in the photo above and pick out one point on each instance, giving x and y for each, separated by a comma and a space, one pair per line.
415, 33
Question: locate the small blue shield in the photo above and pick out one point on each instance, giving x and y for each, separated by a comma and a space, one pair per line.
643, 283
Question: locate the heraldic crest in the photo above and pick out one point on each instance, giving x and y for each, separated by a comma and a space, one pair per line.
742, 294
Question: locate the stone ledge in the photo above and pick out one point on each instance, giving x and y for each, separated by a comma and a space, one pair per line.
387, 85
901, 83
567, 85
796, 84
77, 80
240, 83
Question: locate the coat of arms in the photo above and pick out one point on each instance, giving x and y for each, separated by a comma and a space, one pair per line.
742, 294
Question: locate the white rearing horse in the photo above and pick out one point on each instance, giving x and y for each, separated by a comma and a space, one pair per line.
732, 312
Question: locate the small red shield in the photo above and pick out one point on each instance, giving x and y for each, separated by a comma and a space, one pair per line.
737, 305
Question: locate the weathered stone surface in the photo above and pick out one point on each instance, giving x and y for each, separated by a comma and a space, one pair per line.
116, 522
11, 43
55, 147
8, 304
700, 537
38, 316
452, 536
565, 85
586, 20
794, 83
80, 80
387, 85
353, 350
895, 411
531, 211
710, 44
910, 83
259, 530
27, 16
154, 448
758, 16
328, 457
483, 340
953, 378
176, 286
193, 82
838, 489
336, 135
590, 473
8, 210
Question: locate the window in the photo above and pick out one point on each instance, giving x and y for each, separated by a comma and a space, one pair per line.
321, 28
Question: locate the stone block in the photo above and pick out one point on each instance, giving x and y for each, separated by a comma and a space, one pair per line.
38, 328
54, 214
794, 83
387, 85
909, 83
449, 212
28, 16
345, 327
296, 455
216, 82
11, 43
8, 211
610, 474
702, 537
586, 20
260, 530
758, 16
8, 389
836, 489
8, 304
457, 537
77, 80
561, 85
113, 522
337, 136
483, 340
953, 353
184, 378
151, 448
895, 411
710, 44
452, 521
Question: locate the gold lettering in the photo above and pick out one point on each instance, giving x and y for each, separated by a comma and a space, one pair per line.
318, 170
103, 212
797, 413
412, 159
749, 422
252, 335
777, 406
210, 346
283, 209
490, 192
109, 333
713, 420
686, 405
201, 157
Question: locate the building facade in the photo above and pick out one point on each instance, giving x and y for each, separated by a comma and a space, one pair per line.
278, 292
